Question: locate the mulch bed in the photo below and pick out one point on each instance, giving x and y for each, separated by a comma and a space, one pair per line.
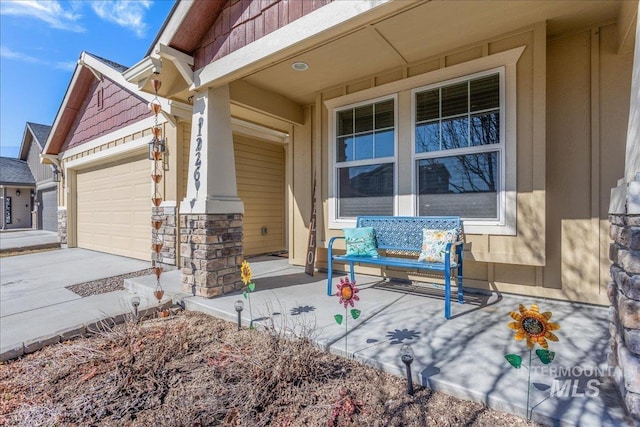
195, 370
108, 284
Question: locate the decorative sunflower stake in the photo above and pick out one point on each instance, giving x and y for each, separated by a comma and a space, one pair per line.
347, 293
246, 275
536, 328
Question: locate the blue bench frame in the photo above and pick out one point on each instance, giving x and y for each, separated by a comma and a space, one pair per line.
403, 235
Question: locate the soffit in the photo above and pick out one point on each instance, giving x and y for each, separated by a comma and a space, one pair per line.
424, 31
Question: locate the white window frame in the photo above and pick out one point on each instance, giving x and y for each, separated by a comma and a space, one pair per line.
334, 220
507, 60
499, 147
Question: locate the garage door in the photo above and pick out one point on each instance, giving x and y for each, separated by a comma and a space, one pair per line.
48, 209
260, 176
114, 208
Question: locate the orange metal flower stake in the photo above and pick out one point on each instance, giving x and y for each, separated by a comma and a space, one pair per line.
155, 153
347, 291
246, 275
536, 328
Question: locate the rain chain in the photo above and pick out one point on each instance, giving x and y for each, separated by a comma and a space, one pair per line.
157, 147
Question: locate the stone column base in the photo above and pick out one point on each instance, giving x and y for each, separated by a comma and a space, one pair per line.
211, 253
624, 294
62, 226
166, 234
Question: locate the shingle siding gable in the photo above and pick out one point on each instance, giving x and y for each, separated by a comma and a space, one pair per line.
118, 108
243, 21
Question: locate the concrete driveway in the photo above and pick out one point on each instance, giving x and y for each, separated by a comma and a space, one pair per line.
33, 299
23, 239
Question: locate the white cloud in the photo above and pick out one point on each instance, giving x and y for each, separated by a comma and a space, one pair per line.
5, 52
66, 66
126, 13
49, 11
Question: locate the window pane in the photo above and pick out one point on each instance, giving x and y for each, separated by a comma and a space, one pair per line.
345, 122
485, 128
428, 105
384, 143
455, 133
345, 149
364, 147
428, 137
384, 115
455, 99
485, 93
459, 185
364, 118
365, 190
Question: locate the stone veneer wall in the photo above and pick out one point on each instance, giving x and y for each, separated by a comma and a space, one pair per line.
167, 234
211, 253
624, 294
62, 226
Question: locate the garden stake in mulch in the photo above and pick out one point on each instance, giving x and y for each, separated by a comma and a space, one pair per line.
536, 328
246, 275
347, 293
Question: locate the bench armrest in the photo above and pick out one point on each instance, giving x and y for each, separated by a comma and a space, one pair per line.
447, 253
330, 246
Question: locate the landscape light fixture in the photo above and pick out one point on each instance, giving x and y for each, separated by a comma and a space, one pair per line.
135, 302
406, 355
239, 306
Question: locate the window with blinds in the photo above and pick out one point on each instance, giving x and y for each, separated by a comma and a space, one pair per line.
459, 147
365, 159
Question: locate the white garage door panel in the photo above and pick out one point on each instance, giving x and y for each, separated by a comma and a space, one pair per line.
114, 208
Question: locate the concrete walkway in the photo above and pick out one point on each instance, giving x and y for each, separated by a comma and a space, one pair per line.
28, 239
35, 307
463, 356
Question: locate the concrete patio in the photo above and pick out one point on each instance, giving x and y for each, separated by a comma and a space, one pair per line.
463, 356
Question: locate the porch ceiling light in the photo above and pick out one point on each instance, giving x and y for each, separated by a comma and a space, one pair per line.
300, 66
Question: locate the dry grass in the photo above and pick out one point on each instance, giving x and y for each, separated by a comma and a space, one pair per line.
195, 370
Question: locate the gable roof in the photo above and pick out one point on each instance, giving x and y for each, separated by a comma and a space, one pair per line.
33, 131
90, 68
15, 172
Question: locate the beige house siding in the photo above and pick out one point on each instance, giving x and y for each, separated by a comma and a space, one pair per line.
260, 175
571, 102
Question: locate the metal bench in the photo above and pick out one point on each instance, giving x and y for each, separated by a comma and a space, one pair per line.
402, 236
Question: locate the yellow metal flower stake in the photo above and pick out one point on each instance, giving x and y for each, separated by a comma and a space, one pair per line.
245, 275
347, 293
536, 328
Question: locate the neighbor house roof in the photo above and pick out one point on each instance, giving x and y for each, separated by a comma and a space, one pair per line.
40, 133
15, 172
33, 131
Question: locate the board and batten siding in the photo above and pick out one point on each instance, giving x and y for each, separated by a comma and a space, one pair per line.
41, 172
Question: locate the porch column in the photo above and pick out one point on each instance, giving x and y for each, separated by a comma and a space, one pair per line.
211, 213
624, 290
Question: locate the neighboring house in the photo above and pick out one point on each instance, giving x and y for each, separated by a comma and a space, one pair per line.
17, 189
525, 104
99, 139
45, 204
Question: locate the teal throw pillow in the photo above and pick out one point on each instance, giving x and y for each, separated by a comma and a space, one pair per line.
361, 241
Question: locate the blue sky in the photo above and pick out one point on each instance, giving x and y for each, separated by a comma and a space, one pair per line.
41, 41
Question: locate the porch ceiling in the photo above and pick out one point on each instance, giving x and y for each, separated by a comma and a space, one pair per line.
424, 31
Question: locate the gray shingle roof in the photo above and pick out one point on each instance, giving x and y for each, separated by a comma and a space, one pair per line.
15, 172
114, 65
40, 133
